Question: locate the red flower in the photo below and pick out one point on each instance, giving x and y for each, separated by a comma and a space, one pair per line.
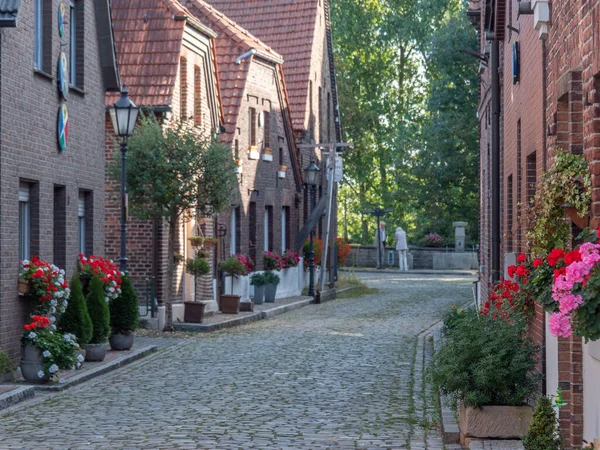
559, 272
511, 271
555, 256
522, 271
572, 256
537, 263
521, 258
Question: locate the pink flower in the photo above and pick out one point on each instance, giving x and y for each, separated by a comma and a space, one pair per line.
560, 325
569, 302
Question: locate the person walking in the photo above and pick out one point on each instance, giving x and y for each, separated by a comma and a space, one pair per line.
380, 244
402, 249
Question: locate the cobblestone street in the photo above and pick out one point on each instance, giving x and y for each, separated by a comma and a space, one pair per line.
345, 374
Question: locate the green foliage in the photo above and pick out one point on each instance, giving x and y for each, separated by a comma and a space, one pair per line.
124, 309
99, 312
483, 361
568, 181
257, 279
76, 319
197, 266
271, 277
452, 318
587, 316
543, 433
6, 364
233, 266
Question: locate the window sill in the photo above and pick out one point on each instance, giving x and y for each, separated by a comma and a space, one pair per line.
43, 74
76, 89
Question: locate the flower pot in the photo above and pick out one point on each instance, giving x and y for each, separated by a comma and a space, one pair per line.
270, 292
121, 341
246, 306
208, 244
259, 295
495, 422
24, 286
229, 304
267, 157
253, 152
95, 352
193, 312
32, 365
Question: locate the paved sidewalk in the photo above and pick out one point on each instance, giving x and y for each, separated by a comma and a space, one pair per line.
496, 445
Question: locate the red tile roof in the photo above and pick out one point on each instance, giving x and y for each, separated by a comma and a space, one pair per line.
289, 26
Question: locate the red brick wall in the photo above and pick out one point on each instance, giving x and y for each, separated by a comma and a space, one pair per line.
28, 151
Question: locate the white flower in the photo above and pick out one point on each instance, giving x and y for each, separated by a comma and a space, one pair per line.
80, 358
65, 304
106, 299
78, 365
52, 319
32, 335
111, 290
119, 290
113, 283
62, 272
52, 327
41, 374
52, 310
53, 368
47, 354
53, 302
25, 262
62, 380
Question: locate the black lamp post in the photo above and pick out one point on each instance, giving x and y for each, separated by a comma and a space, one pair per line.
124, 115
312, 175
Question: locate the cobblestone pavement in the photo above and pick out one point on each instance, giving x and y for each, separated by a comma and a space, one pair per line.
347, 374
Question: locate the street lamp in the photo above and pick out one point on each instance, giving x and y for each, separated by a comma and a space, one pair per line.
311, 176
123, 115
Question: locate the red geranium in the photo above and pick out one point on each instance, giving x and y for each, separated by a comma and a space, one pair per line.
511, 271
537, 263
572, 256
555, 256
521, 258
522, 271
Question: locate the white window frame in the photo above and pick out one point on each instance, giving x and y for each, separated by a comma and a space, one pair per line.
232, 232
283, 229
81, 222
266, 229
73, 44
38, 54
24, 221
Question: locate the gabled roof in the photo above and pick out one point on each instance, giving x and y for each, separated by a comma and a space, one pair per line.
9, 9
289, 26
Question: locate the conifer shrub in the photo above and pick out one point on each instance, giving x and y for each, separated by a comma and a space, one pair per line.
98, 310
6, 364
124, 310
543, 433
76, 319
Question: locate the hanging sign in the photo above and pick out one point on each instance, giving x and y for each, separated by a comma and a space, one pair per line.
61, 20
339, 169
63, 127
516, 60
63, 75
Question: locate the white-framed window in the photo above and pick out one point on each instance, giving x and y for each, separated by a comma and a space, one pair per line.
284, 220
38, 56
232, 232
24, 222
72, 44
266, 228
81, 222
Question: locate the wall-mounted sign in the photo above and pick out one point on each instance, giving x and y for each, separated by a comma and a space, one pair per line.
516, 57
63, 127
61, 19
63, 75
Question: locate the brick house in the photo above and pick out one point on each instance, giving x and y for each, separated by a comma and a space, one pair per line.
258, 130
301, 32
167, 60
51, 196
550, 102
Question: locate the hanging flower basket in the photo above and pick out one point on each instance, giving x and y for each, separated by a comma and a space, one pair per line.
210, 243
197, 241
24, 286
573, 214
253, 152
281, 171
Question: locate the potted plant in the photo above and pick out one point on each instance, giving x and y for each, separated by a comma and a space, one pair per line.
281, 171
105, 269
271, 282
99, 313
230, 304
194, 311
76, 319
196, 241
492, 377
124, 317
267, 154
210, 242
259, 281
543, 433
6, 368
47, 286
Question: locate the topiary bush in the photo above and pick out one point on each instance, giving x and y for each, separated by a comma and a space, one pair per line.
197, 266
543, 433
76, 319
486, 361
99, 312
124, 310
6, 364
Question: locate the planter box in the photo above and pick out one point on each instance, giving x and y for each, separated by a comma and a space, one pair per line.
496, 422
230, 304
253, 152
194, 312
267, 157
281, 174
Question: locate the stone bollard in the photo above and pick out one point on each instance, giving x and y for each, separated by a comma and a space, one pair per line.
459, 235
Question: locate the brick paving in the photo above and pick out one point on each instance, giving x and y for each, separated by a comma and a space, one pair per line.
347, 374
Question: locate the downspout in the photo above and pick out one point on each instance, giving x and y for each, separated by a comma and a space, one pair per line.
544, 104
495, 88
243, 56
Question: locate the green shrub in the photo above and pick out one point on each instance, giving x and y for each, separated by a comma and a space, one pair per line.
124, 310
483, 361
6, 364
233, 266
98, 310
76, 319
543, 433
197, 266
271, 278
258, 279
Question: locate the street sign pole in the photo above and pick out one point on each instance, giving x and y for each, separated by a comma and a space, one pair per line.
378, 213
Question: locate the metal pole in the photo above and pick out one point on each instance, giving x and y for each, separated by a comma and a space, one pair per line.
311, 251
331, 182
123, 258
379, 256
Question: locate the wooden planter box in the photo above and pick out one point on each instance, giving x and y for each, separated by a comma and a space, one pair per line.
494, 422
193, 312
229, 304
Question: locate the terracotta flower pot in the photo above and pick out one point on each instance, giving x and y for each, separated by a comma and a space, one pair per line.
229, 304
193, 312
24, 286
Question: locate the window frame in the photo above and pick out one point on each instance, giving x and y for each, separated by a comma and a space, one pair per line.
24, 221
81, 223
38, 35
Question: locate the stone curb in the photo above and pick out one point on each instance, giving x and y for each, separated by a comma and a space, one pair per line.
237, 321
100, 370
16, 395
469, 273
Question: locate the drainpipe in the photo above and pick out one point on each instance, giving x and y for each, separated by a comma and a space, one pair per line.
544, 104
240, 58
495, 91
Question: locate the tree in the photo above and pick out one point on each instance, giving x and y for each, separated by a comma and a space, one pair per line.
124, 310
176, 172
98, 310
76, 319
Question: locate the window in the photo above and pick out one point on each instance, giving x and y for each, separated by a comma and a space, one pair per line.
60, 226
81, 222
76, 33
267, 130
320, 113
311, 122
234, 232
252, 126
531, 169
236, 149
284, 228
519, 184
281, 161
266, 228
24, 221
183, 88
509, 214
43, 35
252, 231
197, 96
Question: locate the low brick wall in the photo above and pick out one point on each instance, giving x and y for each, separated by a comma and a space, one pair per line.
418, 258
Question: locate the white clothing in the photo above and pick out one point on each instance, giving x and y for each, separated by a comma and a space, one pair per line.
401, 239
402, 261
